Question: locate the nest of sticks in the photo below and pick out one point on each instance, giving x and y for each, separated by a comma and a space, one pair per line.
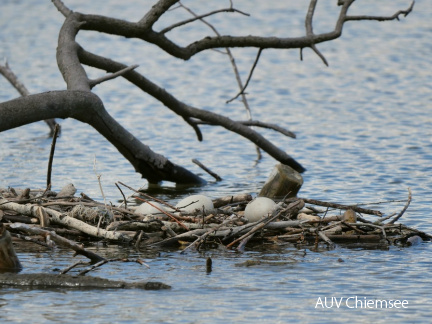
48, 219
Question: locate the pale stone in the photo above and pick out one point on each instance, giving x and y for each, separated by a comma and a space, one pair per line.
67, 191
284, 181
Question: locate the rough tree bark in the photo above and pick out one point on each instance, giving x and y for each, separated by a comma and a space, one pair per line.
80, 103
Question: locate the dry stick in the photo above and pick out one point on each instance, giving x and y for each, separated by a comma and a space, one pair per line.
64, 271
242, 245
98, 176
202, 166
381, 220
204, 236
87, 204
51, 156
101, 263
196, 17
124, 197
58, 239
259, 226
111, 76
339, 206
309, 29
29, 239
325, 238
242, 89
404, 209
383, 18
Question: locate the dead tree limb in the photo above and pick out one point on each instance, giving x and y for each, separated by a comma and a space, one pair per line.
6, 71
57, 239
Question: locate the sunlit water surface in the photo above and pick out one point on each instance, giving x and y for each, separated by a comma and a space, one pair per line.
363, 130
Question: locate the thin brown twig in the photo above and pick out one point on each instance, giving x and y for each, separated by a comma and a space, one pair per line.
101, 263
202, 166
242, 89
403, 210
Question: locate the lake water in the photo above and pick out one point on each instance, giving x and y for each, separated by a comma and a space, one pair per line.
364, 133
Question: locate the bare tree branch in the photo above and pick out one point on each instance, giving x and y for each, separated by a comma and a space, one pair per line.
13, 80
405, 13
65, 11
200, 17
155, 13
187, 111
111, 76
88, 108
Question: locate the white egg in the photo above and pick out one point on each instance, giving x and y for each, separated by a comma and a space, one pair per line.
147, 209
195, 203
258, 208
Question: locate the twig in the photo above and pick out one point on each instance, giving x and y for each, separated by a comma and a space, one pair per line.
340, 206
111, 76
242, 245
242, 89
202, 166
66, 270
263, 223
203, 237
51, 156
101, 263
59, 240
123, 195
29, 239
98, 176
199, 17
148, 196
325, 238
383, 18
403, 210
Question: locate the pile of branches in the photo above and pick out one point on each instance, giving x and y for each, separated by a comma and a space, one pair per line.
50, 218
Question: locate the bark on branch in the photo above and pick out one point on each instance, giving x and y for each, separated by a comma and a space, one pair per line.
88, 108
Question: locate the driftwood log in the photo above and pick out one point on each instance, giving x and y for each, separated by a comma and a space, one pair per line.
43, 280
